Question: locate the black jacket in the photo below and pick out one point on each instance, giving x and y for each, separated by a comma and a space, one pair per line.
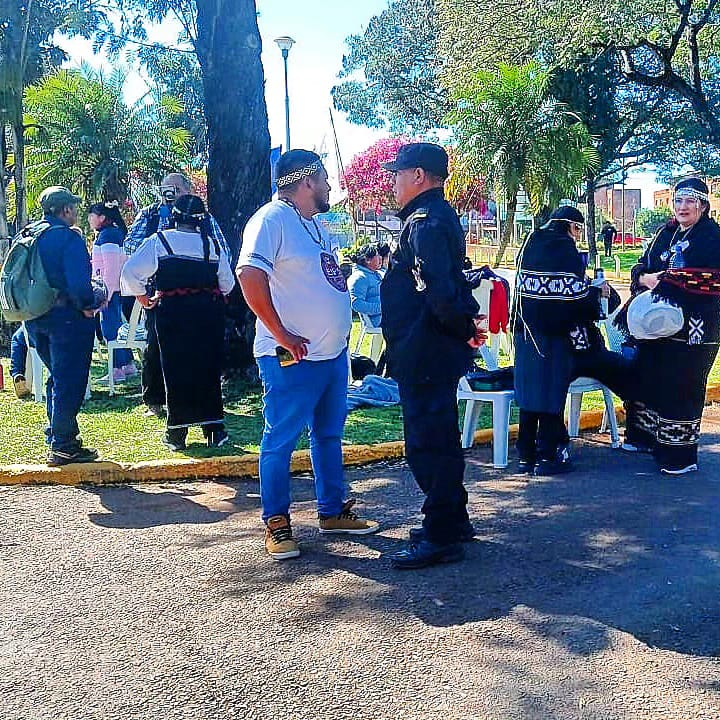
427, 304
702, 312
553, 312
553, 296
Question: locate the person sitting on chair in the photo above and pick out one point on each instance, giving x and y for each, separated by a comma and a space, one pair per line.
364, 282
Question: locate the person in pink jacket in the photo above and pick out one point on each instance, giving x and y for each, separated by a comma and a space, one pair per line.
108, 258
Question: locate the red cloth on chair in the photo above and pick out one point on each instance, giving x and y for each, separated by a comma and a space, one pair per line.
499, 308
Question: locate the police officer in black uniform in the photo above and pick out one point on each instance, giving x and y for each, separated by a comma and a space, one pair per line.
430, 324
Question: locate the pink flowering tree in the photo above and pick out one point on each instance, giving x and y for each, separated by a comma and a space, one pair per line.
368, 185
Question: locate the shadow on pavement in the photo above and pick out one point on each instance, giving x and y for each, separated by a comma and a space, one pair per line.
613, 544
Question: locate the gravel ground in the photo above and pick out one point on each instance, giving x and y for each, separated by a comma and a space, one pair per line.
590, 596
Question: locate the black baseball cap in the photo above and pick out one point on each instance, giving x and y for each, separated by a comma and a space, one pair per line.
428, 156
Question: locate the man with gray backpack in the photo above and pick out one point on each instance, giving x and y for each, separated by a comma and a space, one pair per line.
46, 282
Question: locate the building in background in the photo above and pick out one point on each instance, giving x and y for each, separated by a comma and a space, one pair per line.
663, 198
611, 202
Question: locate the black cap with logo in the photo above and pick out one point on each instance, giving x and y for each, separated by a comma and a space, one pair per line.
428, 156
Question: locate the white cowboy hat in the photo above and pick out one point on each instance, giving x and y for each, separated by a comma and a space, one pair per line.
650, 317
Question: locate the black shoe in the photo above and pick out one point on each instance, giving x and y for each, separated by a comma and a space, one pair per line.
67, 457
525, 467
546, 468
217, 438
467, 534
175, 440
425, 554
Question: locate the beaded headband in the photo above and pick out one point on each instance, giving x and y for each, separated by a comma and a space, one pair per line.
196, 216
293, 177
692, 193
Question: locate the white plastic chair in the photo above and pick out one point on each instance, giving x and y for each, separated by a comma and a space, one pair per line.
375, 333
501, 401
583, 384
132, 342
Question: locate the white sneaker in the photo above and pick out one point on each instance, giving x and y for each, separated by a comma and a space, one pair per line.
629, 447
681, 471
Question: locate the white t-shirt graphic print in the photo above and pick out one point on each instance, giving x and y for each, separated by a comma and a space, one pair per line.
307, 288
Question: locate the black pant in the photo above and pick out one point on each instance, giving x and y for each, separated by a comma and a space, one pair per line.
612, 369
540, 435
153, 384
434, 454
127, 303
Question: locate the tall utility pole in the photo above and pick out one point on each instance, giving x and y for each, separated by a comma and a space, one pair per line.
622, 202
285, 43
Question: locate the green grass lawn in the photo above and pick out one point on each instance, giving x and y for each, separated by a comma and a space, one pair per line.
627, 260
118, 428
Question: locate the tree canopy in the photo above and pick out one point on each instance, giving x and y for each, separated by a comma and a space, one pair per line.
510, 130
668, 47
27, 51
390, 74
82, 134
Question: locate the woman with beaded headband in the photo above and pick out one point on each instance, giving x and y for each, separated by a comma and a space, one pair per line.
192, 275
681, 266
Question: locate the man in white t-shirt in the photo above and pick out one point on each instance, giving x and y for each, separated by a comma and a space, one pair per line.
292, 282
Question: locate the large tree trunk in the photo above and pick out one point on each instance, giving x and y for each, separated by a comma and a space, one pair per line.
17, 133
590, 219
4, 231
228, 48
511, 204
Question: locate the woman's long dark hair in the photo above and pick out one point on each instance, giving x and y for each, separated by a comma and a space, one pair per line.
364, 254
190, 210
111, 212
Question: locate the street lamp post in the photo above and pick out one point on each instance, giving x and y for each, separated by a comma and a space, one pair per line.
285, 43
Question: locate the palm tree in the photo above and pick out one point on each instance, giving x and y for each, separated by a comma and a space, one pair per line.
509, 130
82, 134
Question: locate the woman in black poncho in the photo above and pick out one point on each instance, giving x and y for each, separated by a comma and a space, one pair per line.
681, 266
192, 275
555, 306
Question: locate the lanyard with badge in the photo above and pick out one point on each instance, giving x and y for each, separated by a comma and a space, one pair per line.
317, 240
330, 269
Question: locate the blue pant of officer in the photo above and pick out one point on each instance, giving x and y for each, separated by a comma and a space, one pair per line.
64, 340
434, 454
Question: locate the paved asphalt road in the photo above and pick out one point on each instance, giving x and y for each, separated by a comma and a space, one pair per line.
590, 596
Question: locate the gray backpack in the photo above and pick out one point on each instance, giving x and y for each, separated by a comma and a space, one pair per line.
25, 292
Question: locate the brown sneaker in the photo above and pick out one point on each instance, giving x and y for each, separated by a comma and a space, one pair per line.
347, 522
279, 541
21, 387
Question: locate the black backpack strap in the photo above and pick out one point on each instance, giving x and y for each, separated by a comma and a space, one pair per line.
165, 242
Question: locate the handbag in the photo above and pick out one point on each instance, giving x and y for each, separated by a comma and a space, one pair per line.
650, 317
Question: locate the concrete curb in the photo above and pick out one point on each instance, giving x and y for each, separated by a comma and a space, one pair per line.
239, 466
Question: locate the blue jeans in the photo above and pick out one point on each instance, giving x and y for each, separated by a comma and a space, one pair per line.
110, 322
309, 394
64, 341
18, 353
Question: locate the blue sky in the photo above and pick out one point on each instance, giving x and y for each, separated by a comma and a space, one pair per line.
319, 28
